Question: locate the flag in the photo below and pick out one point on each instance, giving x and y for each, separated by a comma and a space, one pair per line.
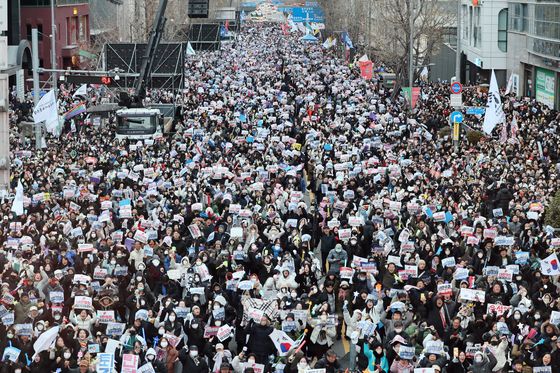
424, 73
494, 113
76, 110
346, 40
549, 265
364, 58
82, 91
284, 27
223, 31
227, 25
17, 204
509, 84
47, 111
514, 128
45, 340
282, 342
504, 134
190, 50
327, 43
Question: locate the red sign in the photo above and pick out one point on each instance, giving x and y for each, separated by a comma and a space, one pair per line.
366, 70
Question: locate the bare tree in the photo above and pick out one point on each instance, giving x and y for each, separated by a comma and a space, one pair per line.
386, 27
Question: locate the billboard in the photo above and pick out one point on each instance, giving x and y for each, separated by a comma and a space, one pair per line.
545, 87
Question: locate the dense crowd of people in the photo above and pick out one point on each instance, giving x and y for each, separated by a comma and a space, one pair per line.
296, 205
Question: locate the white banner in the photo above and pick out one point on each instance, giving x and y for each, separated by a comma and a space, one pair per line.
47, 111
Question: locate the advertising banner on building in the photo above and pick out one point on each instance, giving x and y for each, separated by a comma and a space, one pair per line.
545, 87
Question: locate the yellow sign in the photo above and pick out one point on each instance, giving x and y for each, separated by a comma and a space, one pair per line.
456, 131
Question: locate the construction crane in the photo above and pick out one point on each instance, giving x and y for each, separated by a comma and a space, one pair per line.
136, 121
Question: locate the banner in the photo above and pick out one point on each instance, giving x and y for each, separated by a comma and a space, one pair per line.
494, 112
545, 87
47, 111
415, 92
366, 70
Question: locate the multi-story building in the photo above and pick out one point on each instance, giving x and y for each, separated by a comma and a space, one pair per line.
534, 49
484, 41
72, 29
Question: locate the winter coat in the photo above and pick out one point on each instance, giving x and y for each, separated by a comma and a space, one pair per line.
337, 259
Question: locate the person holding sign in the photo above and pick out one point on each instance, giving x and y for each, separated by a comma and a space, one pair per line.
375, 353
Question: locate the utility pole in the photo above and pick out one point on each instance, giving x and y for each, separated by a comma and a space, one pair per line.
411, 49
4, 107
35, 61
458, 53
53, 48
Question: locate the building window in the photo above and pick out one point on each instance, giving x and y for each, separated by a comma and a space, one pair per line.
71, 30
477, 29
29, 31
502, 29
547, 21
465, 24
40, 32
470, 25
518, 17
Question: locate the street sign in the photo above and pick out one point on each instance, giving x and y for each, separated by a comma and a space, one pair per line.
456, 100
456, 117
476, 110
456, 88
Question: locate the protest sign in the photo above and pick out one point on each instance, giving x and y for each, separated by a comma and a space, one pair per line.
472, 295
129, 363
499, 309
82, 302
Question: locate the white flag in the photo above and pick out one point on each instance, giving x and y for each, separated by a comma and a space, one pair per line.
327, 44
47, 111
282, 342
17, 204
510, 84
190, 50
364, 58
494, 112
82, 91
549, 265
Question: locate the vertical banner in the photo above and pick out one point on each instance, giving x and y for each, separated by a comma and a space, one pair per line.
20, 85
366, 70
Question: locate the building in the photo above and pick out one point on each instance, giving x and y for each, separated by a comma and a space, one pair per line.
484, 40
72, 29
533, 42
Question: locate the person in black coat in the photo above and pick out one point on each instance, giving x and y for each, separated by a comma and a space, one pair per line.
330, 362
259, 341
192, 363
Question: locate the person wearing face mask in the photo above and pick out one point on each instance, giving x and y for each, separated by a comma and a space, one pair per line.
483, 362
167, 354
157, 364
172, 325
338, 257
192, 362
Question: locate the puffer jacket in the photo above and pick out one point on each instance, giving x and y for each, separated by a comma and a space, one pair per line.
488, 363
351, 321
